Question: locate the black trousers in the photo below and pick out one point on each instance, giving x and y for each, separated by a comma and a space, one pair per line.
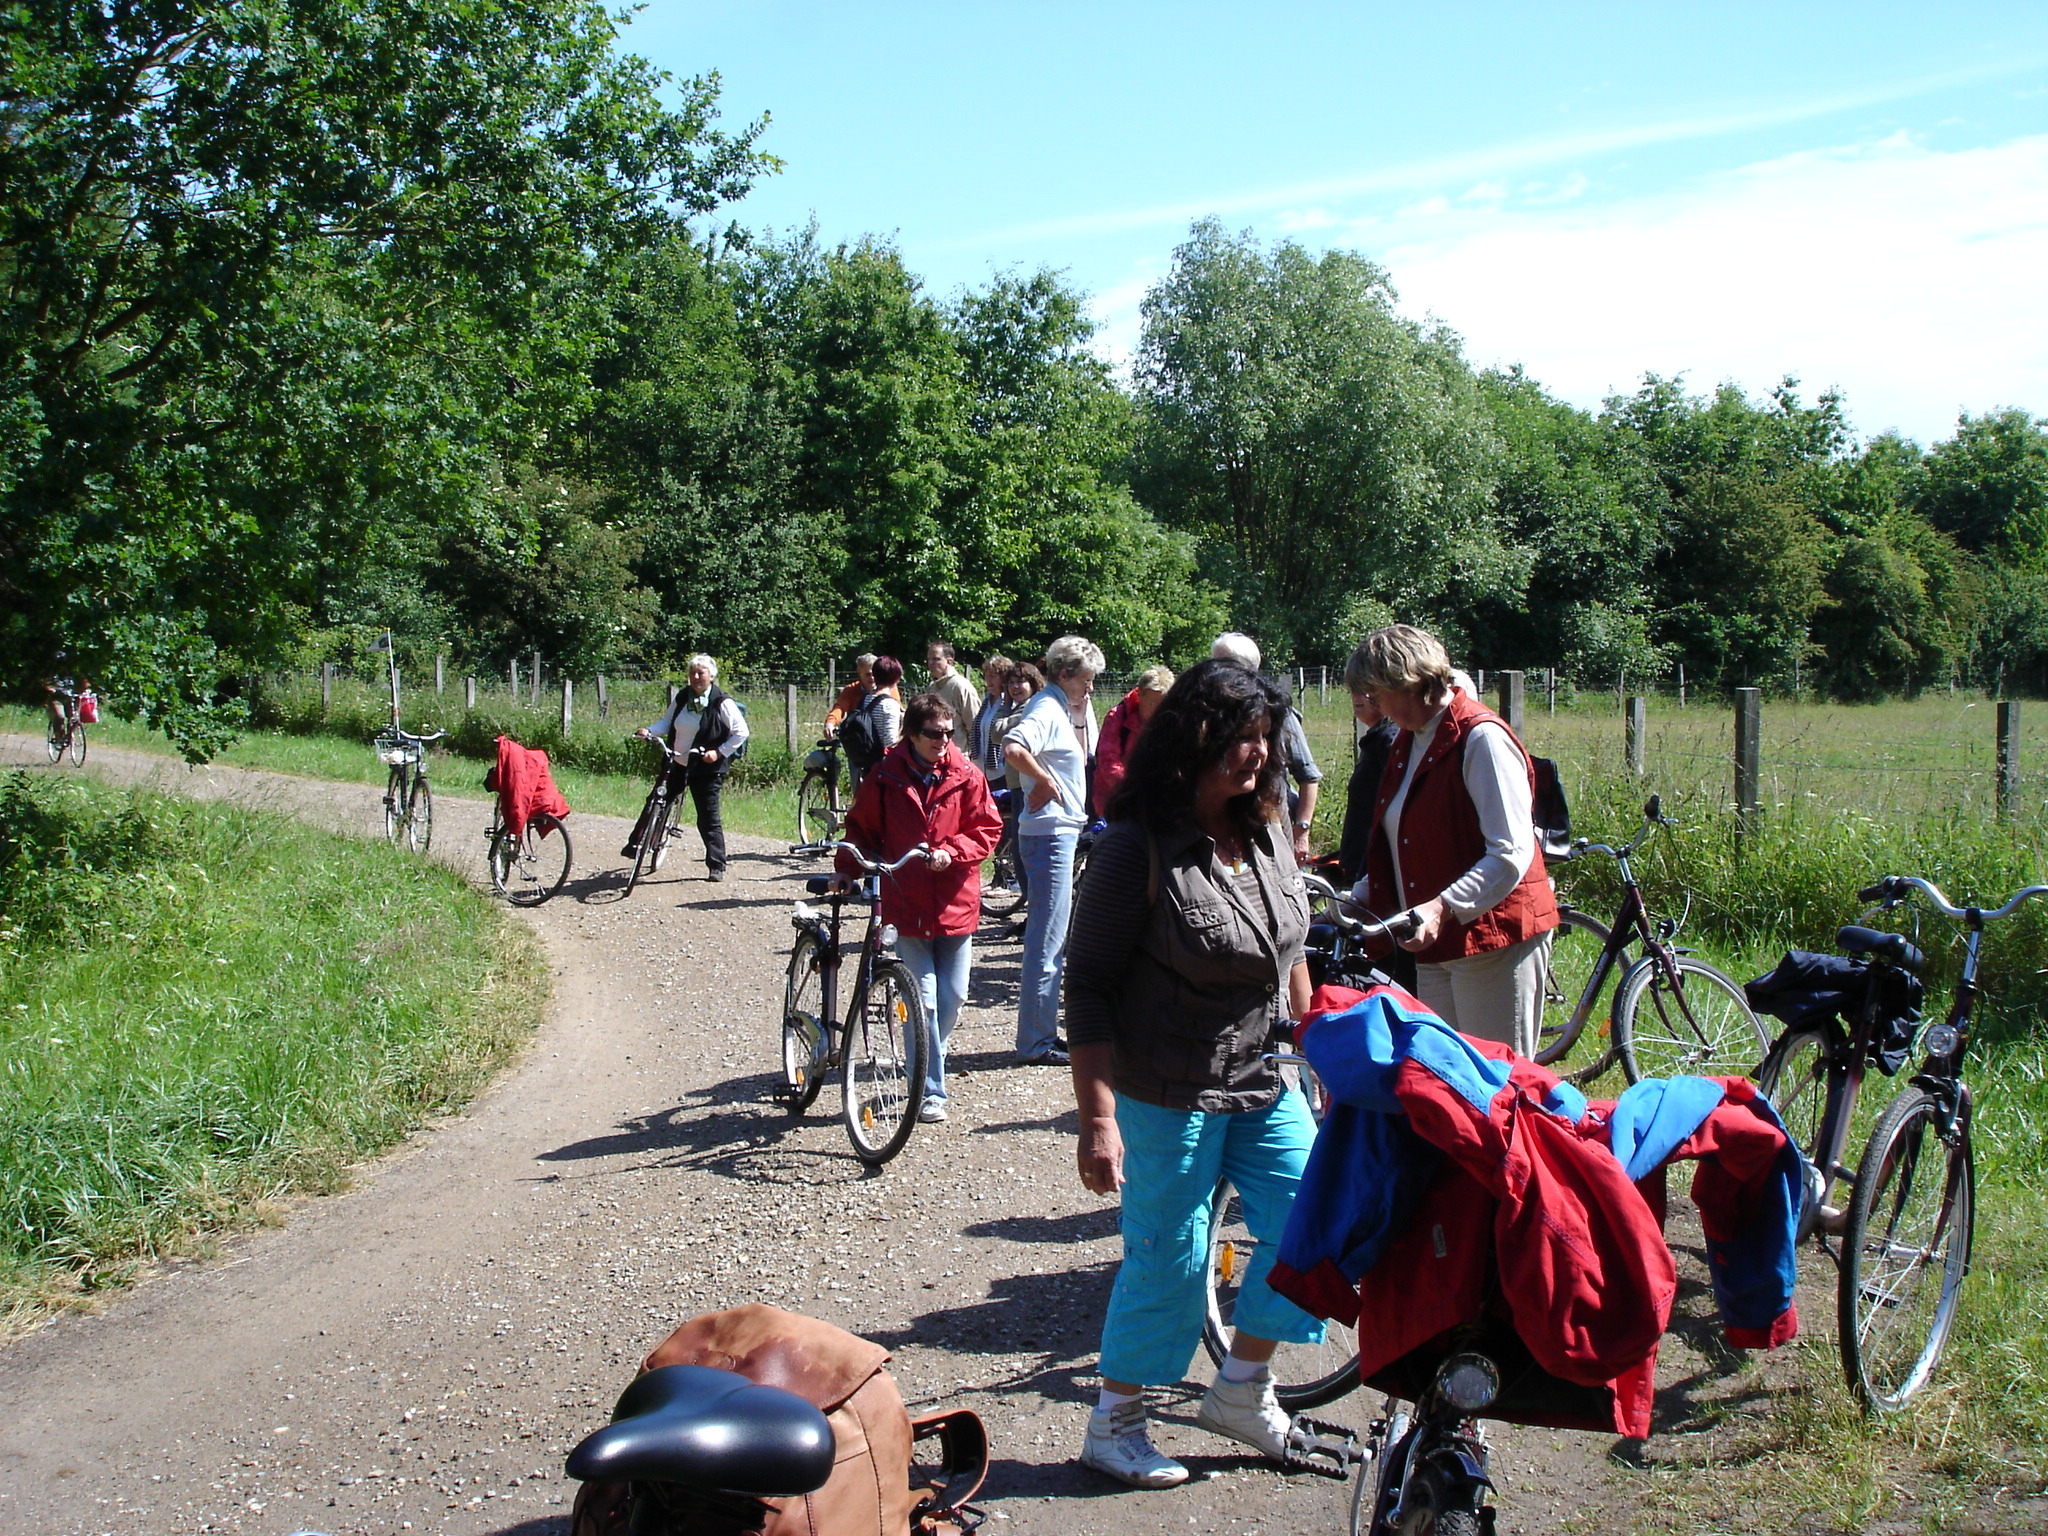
704, 781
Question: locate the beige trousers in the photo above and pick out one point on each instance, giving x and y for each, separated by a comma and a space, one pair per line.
1494, 996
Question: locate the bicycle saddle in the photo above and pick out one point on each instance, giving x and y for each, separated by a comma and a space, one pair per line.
1894, 947
701, 1427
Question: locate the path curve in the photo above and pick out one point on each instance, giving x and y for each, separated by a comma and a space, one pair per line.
419, 1352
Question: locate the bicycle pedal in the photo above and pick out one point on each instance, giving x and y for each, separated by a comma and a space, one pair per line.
1326, 1449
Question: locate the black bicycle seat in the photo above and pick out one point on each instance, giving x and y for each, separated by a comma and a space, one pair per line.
1894, 947
700, 1427
818, 885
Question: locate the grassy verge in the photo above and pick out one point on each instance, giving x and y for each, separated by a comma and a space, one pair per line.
760, 802
204, 1010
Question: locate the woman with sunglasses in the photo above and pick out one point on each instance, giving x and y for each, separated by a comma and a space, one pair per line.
925, 791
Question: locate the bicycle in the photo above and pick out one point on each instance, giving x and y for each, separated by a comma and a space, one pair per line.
1304, 1375
1905, 1226
881, 1047
1672, 1013
661, 816
67, 735
529, 868
819, 812
408, 799
1002, 877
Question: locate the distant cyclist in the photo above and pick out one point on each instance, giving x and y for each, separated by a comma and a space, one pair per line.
709, 729
61, 691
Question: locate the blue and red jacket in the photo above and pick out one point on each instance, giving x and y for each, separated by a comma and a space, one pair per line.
1451, 1179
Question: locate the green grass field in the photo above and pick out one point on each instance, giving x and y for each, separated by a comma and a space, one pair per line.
204, 1010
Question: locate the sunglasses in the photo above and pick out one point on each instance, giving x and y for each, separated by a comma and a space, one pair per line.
935, 732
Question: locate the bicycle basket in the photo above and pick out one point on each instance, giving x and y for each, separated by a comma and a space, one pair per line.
397, 752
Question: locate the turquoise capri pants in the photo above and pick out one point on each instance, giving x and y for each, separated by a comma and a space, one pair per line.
1172, 1161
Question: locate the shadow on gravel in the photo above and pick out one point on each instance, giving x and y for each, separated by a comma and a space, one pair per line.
1053, 1320
1074, 1227
549, 1525
753, 1149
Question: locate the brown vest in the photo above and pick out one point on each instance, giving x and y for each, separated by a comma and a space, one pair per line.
1440, 840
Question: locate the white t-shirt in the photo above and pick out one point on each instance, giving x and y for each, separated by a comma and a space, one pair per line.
1045, 730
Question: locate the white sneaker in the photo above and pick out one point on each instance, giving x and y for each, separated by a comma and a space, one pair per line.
932, 1112
1118, 1445
1247, 1411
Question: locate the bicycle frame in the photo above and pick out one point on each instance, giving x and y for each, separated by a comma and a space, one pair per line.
1631, 925
876, 946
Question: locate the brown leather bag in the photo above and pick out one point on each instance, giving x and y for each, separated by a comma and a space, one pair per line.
871, 1491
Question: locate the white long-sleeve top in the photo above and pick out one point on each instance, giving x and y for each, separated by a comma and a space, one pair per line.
688, 712
1497, 779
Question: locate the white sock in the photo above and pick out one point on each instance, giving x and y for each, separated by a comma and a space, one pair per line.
1237, 1370
1107, 1402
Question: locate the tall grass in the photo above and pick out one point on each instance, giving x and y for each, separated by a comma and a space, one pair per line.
204, 1008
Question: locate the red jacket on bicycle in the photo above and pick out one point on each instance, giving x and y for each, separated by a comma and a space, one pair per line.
901, 804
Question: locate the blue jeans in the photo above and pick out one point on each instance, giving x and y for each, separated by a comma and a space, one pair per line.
1172, 1161
1049, 865
941, 967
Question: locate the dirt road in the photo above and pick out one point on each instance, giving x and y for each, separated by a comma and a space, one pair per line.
418, 1354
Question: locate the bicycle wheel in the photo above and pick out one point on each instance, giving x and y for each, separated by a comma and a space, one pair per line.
55, 739
1794, 1077
539, 861
882, 1073
1580, 1054
499, 857
1002, 889
671, 830
394, 805
804, 1045
1304, 1375
419, 815
652, 819
1905, 1249
77, 745
815, 822
1703, 1026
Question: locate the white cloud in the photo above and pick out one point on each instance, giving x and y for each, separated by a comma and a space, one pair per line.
1916, 280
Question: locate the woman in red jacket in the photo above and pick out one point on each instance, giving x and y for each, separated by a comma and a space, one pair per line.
924, 791
1120, 734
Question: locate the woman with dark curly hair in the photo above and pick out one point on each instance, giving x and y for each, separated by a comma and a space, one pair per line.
1184, 955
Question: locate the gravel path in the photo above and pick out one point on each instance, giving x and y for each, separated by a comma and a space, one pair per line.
417, 1354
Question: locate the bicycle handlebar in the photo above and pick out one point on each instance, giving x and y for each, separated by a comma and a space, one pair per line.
875, 866
1893, 889
1394, 929
394, 731
1653, 818
666, 750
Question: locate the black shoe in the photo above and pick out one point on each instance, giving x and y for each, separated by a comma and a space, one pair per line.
630, 851
1053, 1056
717, 875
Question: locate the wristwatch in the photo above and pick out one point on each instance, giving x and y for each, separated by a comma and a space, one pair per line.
1303, 826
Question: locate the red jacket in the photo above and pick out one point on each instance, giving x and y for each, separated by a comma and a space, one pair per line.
524, 785
1441, 839
1113, 749
892, 813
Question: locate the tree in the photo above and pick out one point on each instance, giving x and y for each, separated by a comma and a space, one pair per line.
1317, 444
278, 271
1988, 485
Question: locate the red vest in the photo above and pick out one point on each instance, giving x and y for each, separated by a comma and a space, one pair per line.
1440, 840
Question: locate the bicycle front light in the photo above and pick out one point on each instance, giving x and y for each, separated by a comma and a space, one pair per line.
888, 935
1468, 1382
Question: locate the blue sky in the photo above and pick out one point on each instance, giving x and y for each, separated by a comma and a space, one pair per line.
1855, 194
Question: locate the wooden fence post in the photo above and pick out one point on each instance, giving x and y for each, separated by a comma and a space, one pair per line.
512, 677
2008, 758
468, 693
326, 688
568, 704
604, 701
1681, 685
1323, 687
536, 676
1635, 732
1511, 700
1550, 689
439, 681
1479, 680
831, 677
1749, 728
673, 690
789, 716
